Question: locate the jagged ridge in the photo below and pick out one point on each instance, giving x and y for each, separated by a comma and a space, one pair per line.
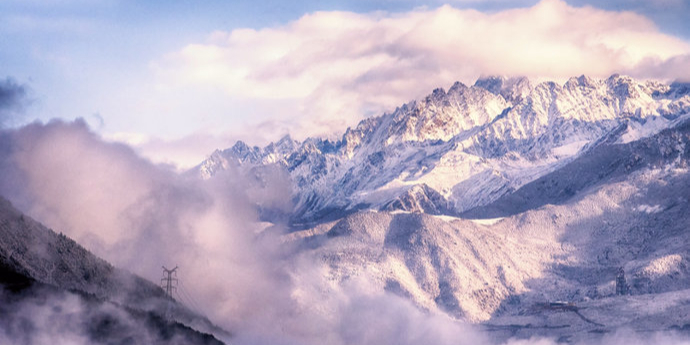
471, 144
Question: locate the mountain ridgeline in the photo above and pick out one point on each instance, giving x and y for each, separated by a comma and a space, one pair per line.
529, 209
460, 149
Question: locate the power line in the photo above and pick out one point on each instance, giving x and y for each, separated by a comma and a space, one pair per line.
170, 284
190, 300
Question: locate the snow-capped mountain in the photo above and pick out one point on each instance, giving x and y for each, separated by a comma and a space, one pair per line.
544, 259
461, 149
514, 205
511, 204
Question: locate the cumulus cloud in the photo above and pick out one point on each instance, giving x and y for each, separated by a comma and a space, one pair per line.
338, 67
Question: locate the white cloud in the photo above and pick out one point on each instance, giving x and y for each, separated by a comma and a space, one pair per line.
140, 216
331, 69
181, 153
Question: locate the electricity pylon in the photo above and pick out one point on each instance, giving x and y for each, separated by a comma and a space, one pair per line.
169, 281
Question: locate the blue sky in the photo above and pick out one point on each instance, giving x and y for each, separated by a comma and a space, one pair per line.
177, 79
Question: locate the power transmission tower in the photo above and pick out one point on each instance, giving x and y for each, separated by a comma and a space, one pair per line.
621, 285
169, 281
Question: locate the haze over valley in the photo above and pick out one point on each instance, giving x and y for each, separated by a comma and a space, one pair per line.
349, 173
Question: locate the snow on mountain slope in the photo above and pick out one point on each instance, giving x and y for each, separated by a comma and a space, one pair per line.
471, 144
619, 206
608, 161
495, 202
457, 267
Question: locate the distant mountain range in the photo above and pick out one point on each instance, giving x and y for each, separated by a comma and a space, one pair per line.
458, 150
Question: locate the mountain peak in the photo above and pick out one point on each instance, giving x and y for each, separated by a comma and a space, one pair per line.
491, 83
457, 87
581, 81
439, 94
623, 86
286, 139
280, 148
244, 152
512, 89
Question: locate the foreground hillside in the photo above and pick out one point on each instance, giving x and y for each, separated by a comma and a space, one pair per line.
54, 290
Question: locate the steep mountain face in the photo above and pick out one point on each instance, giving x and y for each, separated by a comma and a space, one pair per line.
465, 148
611, 160
446, 264
544, 259
47, 276
420, 199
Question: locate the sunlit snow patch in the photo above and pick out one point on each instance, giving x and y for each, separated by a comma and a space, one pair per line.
490, 221
648, 208
569, 149
486, 222
637, 130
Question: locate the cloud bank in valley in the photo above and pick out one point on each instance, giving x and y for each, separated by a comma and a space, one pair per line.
316, 75
140, 216
327, 70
